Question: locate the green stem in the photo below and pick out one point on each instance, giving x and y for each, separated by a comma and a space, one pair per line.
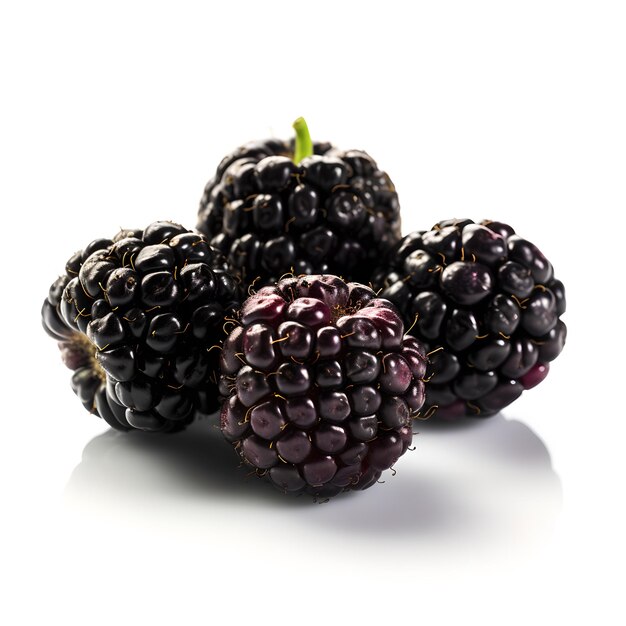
304, 145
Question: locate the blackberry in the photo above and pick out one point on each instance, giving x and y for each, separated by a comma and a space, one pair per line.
321, 385
486, 304
320, 210
137, 318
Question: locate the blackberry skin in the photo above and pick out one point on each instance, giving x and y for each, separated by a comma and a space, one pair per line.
486, 304
321, 385
137, 318
320, 210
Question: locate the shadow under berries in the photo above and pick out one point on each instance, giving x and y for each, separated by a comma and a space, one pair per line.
459, 485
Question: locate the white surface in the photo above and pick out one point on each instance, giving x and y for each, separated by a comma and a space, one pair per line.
116, 114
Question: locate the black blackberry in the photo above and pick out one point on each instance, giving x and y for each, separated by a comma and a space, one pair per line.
322, 210
321, 385
487, 306
137, 318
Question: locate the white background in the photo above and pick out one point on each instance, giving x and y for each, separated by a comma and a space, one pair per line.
115, 114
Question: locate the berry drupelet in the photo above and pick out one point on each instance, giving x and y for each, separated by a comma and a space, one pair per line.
486, 304
321, 385
137, 318
274, 209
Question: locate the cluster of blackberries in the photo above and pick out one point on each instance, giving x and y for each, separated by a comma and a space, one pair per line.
319, 377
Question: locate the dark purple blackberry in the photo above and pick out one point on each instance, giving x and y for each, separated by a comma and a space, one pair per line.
486, 304
321, 385
321, 210
139, 318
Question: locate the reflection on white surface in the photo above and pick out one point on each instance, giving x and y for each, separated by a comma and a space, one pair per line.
484, 487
